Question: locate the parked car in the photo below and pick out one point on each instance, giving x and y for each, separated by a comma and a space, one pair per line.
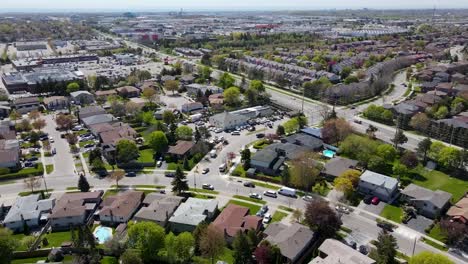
385, 226
33, 159
266, 218
342, 209
249, 184
367, 199
235, 133
159, 163
89, 145
270, 194
375, 200
51, 139
131, 174
363, 249
307, 198
260, 135
28, 164
169, 174
255, 196
207, 186
205, 170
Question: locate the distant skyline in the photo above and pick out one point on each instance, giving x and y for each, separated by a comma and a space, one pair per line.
227, 5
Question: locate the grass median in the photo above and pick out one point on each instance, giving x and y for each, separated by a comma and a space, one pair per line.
253, 200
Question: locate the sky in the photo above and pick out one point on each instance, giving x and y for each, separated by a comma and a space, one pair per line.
163, 5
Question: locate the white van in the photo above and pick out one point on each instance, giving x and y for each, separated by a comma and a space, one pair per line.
287, 191
213, 154
222, 167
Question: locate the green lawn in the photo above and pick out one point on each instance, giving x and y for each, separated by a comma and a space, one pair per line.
149, 186
392, 212
265, 185
27, 260
249, 199
282, 207
19, 237
226, 256
440, 247
146, 156
203, 191
438, 234
56, 239
49, 168
35, 192
239, 171
278, 216
253, 208
83, 143
109, 260
438, 180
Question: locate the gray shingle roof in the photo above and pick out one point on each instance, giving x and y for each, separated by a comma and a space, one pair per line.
193, 211
438, 198
379, 179
291, 240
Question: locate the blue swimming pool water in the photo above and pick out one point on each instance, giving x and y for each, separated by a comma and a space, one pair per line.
103, 234
329, 153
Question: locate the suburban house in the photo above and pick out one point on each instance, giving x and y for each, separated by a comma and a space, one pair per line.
56, 102
373, 183
337, 165
105, 93
429, 203
228, 120
98, 119
190, 107
91, 110
26, 104
333, 251
128, 91
120, 208
28, 210
234, 219
110, 133
194, 88
305, 140
216, 100
5, 109
191, 213
158, 208
74, 209
459, 211
294, 241
268, 161
82, 97
181, 149
9, 153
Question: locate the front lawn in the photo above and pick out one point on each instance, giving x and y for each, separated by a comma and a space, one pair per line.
438, 234
83, 143
392, 212
109, 260
56, 239
203, 191
278, 216
253, 200
239, 171
253, 208
146, 156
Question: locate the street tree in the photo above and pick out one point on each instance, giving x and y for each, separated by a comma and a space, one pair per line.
242, 252
83, 184
179, 184
257, 85
184, 132
127, 151
64, 121
116, 176
304, 170
336, 130
226, 81
72, 139
399, 138
232, 96
280, 130
321, 218
39, 124
212, 243
386, 249
423, 147
158, 141
171, 85
427, 257
420, 122
148, 238
35, 114
32, 182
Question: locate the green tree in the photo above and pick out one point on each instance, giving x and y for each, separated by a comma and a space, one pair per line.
257, 85
280, 130
351, 79
184, 132
347, 181
304, 171
427, 257
435, 149
450, 157
226, 80
386, 152
423, 147
291, 126
7, 245
441, 113
171, 85
127, 151
83, 184
242, 252
232, 96
212, 243
345, 72
168, 117
197, 234
206, 73
147, 118
179, 184
400, 170
73, 87
302, 121
131, 256
179, 249
399, 138
386, 249
158, 141
367, 148
148, 237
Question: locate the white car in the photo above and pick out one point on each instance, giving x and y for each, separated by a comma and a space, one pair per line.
255, 196
266, 218
51, 139
270, 194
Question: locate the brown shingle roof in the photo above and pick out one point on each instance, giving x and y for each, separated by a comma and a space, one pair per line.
235, 218
73, 204
121, 204
181, 147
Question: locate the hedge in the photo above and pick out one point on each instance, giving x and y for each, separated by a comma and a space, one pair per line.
26, 172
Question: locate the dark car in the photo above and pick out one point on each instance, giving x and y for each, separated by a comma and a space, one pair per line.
33, 159
260, 135
102, 173
131, 174
88, 145
249, 184
363, 249
385, 226
169, 174
28, 164
368, 199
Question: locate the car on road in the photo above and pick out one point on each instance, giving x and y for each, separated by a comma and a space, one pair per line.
205, 170
169, 174
363, 249
51, 139
88, 145
207, 186
266, 218
260, 135
342, 209
357, 121
159, 163
307, 198
255, 196
131, 174
375, 200
367, 199
235, 133
270, 194
218, 130
385, 226
249, 184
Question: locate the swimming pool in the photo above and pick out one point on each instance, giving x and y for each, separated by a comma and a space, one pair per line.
103, 234
329, 153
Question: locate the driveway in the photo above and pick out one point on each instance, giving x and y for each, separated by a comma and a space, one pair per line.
375, 209
420, 223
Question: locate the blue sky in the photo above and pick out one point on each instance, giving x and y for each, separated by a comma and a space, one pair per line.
224, 4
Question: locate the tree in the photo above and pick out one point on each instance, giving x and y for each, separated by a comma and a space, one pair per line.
179, 249
226, 81
304, 170
297, 215
370, 131
83, 184
291, 126
400, 170
14, 115
147, 118
450, 157
232, 96
257, 85
266, 253
158, 141
386, 152
168, 117
409, 159
39, 124
280, 130
456, 232
32, 182
131, 256
197, 235
127, 151
150, 95
441, 113
34, 115
131, 108
347, 181
117, 108
336, 130
179, 184
7, 245
116, 176
427, 257
72, 139
212, 243
423, 147
64, 121
171, 85
321, 218
242, 252
386, 249
285, 176
148, 237
72, 87
184, 132
420, 122
24, 125
205, 72
435, 149
301, 121
399, 138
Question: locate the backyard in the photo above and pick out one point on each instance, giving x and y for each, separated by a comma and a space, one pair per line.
56, 239
278, 216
